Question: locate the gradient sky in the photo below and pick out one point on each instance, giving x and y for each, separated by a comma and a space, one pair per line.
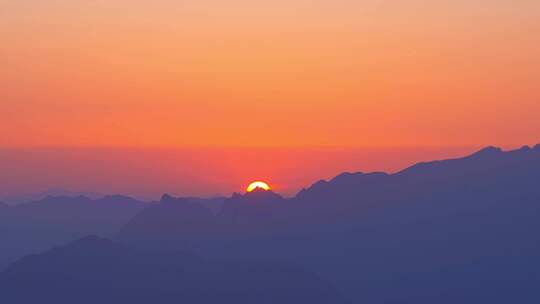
148, 173
256, 74
269, 73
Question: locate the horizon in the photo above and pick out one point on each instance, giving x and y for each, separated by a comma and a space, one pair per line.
356, 160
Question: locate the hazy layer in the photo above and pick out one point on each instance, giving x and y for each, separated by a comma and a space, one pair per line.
148, 173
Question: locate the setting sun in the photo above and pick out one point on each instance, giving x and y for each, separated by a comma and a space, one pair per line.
256, 185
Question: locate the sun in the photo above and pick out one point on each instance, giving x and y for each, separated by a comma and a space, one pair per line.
258, 185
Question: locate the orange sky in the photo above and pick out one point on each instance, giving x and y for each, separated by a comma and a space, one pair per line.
203, 96
148, 173
281, 73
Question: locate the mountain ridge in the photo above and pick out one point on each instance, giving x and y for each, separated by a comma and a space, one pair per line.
486, 152
464, 227
98, 270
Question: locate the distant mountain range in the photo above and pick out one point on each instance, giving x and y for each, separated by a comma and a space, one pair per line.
37, 225
55, 192
30, 227
95, 270
451, 231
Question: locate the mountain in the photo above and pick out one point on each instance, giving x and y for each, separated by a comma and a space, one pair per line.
167, 219
97, 270
451, 231
54, 192
460, 227
484, 176
213, 204
105, 213
256, 204
460, 230
34, 226
182, 223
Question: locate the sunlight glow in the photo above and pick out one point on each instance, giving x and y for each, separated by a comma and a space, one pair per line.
258, 184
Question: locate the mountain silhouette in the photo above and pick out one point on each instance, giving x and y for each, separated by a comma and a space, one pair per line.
458, 230
35, 226
489, 173
165, 220
97, 270
255, 204
179, 218
213, 204
53, 192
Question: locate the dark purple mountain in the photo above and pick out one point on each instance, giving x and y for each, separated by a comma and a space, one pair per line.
96, 270
53, 192
452, 231
167, 219
256, 204
213, 204
34, 226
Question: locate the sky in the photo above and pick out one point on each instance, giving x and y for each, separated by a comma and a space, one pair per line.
149, 173
263, 75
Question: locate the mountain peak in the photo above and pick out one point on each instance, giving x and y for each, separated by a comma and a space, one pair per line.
348, 177
260, 193
258, 202
487, 151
